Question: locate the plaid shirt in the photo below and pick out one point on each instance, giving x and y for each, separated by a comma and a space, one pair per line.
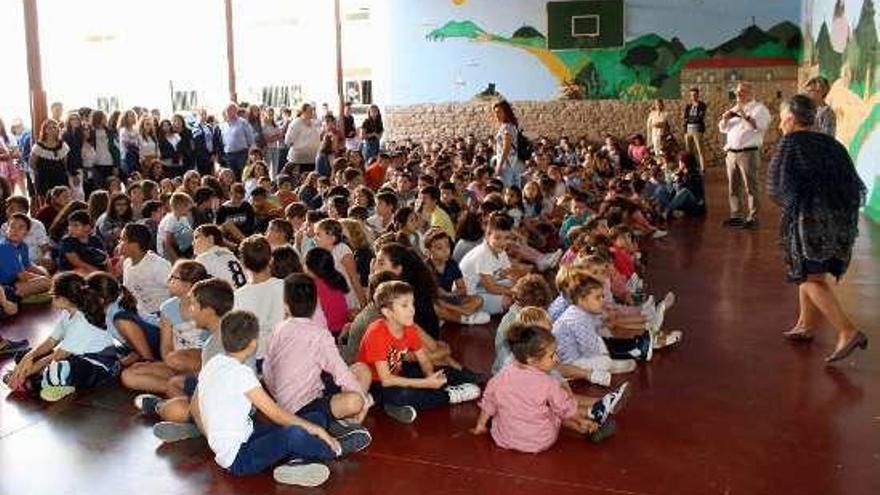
578, 334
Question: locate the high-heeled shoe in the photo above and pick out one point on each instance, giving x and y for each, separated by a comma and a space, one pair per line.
798, 334
860, 340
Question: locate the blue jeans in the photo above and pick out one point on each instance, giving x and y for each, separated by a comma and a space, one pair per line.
371, 148
272, 444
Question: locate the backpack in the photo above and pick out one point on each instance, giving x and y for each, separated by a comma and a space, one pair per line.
524, 148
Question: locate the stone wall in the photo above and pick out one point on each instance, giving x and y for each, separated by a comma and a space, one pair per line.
588, 118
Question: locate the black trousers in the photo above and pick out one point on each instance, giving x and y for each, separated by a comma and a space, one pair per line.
419, 398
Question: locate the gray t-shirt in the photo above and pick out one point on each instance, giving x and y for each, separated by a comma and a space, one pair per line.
214, 346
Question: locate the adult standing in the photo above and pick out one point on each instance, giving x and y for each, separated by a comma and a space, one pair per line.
658, 126
274, 139
238, 138
507, 164
49, 160
817, 89
815, 183
695, 126
304, 138
206, 144
349, 130
371, 132
744, 125
107, 158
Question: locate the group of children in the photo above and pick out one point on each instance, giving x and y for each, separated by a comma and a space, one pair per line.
311, 298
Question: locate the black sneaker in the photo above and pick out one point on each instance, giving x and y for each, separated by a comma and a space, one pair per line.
354, 441
339, 427
733, 222
606, 430
404, 414
751, 224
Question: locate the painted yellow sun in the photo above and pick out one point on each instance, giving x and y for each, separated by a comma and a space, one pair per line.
459, 2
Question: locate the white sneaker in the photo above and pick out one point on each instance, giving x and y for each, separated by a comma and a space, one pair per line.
478, 318
619, 366
669, 299
614, 401
667, 340
659, 234
600, 377
301, 474
649, 304
655, 323
463, 393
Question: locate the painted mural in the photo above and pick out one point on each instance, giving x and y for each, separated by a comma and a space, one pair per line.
646, 66
841, 44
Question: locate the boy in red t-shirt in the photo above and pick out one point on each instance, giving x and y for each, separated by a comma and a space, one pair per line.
404, 386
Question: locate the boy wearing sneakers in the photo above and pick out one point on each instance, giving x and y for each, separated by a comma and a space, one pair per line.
405, 387
300, 351
229, 390
580, 330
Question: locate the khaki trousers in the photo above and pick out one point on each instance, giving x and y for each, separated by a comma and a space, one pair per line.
693, 143
743, 186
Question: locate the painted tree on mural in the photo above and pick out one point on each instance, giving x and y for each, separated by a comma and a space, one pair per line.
829, 60
861, 52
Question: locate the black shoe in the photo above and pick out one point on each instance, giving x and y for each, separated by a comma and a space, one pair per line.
859, 340
606, 429
734, 222
338, 428
354, 441
403, 414
751, 224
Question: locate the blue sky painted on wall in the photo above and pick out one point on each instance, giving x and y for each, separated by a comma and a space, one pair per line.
417, 70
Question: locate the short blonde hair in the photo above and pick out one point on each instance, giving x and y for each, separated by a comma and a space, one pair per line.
356, 233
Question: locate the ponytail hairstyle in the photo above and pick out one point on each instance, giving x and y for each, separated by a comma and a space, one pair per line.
72, 286
110, 290
332, 228
320, 263
528, 341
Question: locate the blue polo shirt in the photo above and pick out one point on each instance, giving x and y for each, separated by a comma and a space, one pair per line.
14, 259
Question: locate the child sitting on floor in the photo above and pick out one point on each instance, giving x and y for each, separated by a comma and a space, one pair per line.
580, 330
299, 351
405, 387
174, 236
77, 354
531, 290
453, 304
332, 288
229, 391
527, 405
180, 341
263, 295
80, 250
139, 339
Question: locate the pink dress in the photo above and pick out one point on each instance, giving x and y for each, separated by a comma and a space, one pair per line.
8, 168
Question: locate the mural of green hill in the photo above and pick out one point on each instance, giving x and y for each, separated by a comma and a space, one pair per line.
645, 67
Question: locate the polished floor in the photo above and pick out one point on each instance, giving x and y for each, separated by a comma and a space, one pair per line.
734, 410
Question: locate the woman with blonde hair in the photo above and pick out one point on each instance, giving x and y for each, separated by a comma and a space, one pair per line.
356, 233
147, 142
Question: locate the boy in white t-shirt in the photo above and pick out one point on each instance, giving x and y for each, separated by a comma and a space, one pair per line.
487, 269
229, 390
208, 245
174, 236
264, 294
144, 273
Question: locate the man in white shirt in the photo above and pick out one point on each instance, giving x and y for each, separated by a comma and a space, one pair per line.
144, 273
218, 261
744, 125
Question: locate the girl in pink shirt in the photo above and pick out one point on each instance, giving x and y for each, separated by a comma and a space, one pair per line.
332, 288
528, 406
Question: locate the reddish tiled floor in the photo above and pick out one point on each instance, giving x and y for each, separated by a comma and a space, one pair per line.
734, 410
